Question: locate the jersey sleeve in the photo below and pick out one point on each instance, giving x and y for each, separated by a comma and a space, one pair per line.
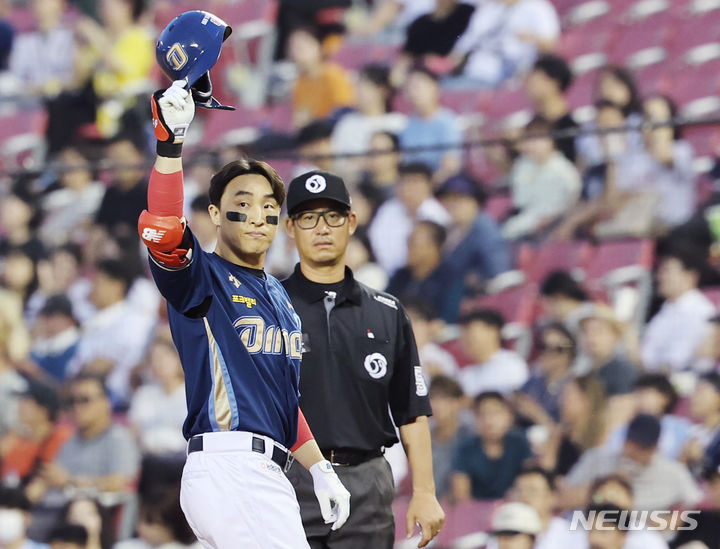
408, 387
187, 287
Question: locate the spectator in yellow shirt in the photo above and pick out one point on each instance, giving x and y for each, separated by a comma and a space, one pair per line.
322, 87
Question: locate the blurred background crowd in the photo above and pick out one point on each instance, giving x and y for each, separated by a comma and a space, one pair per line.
534, 179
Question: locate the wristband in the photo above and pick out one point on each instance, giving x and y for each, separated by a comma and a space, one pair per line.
169, 150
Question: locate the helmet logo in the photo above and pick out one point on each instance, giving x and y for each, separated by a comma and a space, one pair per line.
177, 57
315, 184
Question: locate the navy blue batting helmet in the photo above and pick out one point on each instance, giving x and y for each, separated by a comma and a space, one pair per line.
188, 48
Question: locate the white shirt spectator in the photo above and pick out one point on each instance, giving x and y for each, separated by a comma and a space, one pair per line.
391, 228
499, 50
38, 58
636, 539
67, 211
505, 371
354, 130
120, 334
435, 357
662, 484
675, 188
557, 535
158, 418
541, 192
675, 333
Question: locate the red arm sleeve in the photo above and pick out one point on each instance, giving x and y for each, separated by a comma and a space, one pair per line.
304, 433
165, 193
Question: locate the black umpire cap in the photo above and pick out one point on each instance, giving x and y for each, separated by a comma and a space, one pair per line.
316, 185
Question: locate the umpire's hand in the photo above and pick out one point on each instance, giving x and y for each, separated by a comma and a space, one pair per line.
329, 490
425, 511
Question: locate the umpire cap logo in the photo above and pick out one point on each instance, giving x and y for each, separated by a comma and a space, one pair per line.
376, 365
176, 56
316, 184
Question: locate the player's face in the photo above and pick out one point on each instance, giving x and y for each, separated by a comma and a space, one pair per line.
252, 196
323, 244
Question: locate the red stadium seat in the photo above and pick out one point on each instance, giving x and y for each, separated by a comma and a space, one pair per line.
713, 294
465, 518
516, 304
552, 256
652, 32
498, 206
610, 256
400, 506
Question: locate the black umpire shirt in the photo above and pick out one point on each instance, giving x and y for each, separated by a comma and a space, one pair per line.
359, 357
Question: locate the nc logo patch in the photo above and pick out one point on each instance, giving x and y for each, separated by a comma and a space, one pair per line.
315, 184
376, 365
177, 57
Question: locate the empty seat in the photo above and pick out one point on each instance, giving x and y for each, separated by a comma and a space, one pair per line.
564, 255
516, 304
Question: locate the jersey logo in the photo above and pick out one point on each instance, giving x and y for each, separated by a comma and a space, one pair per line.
249, 302
420, 385
386, 301
376, 365
235, 281
176, 56
152, 235
271, 340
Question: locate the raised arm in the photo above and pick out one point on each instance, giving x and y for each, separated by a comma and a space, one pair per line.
162, 225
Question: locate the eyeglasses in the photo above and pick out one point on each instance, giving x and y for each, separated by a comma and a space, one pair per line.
559, 349
81, 399
309, 220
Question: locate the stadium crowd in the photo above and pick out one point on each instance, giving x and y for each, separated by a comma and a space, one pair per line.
560, 278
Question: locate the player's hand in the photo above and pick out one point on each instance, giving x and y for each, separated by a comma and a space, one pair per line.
173, 110
425, 511
329, 490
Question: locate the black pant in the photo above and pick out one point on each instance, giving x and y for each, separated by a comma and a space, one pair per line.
371, 524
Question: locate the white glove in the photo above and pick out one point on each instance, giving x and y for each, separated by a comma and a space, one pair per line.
176, 110
329, 490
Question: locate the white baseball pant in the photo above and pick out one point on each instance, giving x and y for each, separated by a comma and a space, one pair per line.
234, 497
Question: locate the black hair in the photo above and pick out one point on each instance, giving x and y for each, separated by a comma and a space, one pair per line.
491, 395
441, 385
246, 166
119, 270
672, 107
713, 378
14, 498
491, 317
72, 249
555, 68
560, 283
416, 168
614, 478
662, 385
437, 231
634, 105
200, 203
393, 137
69, 533
539, 126
93, 378
422, 307
532, 469
687, 253
138, 7
379, 75
316, 130
162, 506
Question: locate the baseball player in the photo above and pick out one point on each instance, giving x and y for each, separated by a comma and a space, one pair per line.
358, 348
239, 341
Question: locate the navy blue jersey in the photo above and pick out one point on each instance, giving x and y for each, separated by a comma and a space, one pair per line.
240, 343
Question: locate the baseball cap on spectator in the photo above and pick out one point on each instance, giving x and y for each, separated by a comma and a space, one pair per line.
463, 184
44, 396
644, 430
516, 518
316, 185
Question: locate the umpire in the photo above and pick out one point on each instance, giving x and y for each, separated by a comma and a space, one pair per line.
360, 363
